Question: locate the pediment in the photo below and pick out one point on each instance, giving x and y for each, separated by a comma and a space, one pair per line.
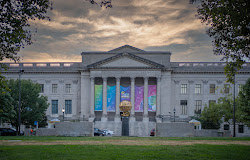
126, 49
125, 60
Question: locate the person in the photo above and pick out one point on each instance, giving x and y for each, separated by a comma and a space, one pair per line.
31, 131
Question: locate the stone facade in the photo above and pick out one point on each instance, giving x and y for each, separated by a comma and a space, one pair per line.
181, 87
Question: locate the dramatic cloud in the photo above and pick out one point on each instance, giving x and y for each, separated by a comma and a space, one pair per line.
78, 26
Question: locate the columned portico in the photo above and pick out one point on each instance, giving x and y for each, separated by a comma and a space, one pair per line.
92, 99
145, 100
117, 102
104, 110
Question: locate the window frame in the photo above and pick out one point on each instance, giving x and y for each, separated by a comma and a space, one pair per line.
197, 89
183, 104
212, 89
68, 106
42, 88
54, 88
68, 88
226, 88
54, 107
183, 88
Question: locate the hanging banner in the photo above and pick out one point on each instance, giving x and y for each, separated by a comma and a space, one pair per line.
111, 90
152, 97
125, 93
139, 94
98, 97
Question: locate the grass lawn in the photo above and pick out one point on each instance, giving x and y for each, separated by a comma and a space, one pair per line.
56, 138
70, 152
103, 150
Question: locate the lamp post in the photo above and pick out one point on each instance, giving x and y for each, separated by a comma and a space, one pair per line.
234, 107
174, 114
63, 110
19, 104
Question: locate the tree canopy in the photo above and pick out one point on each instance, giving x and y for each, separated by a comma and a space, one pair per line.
229, 25
33, 105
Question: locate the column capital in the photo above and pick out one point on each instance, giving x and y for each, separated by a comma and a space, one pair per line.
132, 79
104, 78
158, 79
118, 78
145, 78
92, 78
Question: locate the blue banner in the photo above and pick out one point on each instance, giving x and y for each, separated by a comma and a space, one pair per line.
111, 96
98, 97
125, 93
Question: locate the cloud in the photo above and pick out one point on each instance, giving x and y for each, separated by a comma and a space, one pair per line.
78, 26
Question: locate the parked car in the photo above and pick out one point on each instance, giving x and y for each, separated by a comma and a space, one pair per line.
9, 132
108, 132
98, 132
152, 132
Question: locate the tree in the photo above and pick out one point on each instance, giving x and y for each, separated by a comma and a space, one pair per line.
244, 103
33, 105
229, 25
105, 3
15, 16
7, 109
211, 117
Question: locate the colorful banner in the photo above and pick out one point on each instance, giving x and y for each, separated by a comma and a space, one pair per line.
111, 90
98, 97
125, 93
152, 97
139, 94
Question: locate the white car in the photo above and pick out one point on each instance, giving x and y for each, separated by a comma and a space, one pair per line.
108, 132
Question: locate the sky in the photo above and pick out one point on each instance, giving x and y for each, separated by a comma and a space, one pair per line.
152, 25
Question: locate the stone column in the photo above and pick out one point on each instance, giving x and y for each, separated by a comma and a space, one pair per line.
117, 100
145, 102
104, 100
132, 117
92, 99
158, 101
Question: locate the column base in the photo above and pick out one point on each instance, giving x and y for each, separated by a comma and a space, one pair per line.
104, 119
117, 118
91, 119
158, 120
132, 119
145, 119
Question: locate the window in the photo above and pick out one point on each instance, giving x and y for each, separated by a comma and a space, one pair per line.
240, 88
54, 88
212, 88
184, 107
197, 88
54, 106
241, 129
198, 104
42, 88
226, 127
211, 102
68, 88
68, 106
226, 88
184, 88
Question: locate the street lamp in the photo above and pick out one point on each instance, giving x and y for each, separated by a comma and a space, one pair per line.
174, 114
63, 110
19, 104
234, 107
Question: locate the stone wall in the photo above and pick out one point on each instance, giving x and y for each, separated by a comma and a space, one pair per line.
74, 129
174, 130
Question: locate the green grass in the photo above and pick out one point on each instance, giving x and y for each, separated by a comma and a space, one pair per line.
71, 152
54, 138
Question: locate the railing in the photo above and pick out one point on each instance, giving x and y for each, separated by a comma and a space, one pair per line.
202, 64
40, 65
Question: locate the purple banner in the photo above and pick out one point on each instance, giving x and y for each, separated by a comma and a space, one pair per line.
125, 93
111, 98
152, 97
139, 93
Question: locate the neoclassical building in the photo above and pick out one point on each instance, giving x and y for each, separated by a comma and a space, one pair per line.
159, 90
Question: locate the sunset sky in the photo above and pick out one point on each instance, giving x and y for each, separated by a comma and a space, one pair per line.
159, 25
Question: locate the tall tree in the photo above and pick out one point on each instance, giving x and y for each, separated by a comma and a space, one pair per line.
244, 103
15, 16
33, 105
229, 25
